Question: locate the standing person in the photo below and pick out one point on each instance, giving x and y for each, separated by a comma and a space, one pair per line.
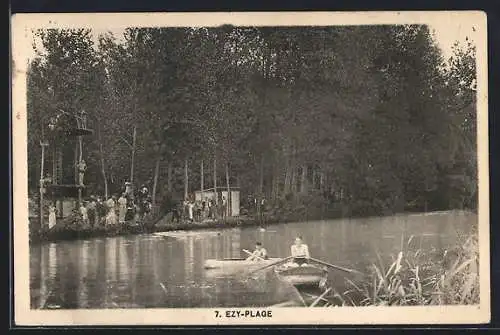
210, 209
84, 214
92, 211
224, 207
122, 208
299, 252
101, 210
198, 211
175, 213
190, 207
52, 216
82, 167
185, 210
111, 207
205, 210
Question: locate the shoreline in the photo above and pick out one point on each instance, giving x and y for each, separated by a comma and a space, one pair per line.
80, 231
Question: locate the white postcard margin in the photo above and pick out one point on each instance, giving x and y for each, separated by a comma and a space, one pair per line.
21, 46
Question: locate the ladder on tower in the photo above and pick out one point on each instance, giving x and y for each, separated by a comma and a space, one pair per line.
57, 178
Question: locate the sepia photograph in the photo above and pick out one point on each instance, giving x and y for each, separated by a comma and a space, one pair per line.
250, 168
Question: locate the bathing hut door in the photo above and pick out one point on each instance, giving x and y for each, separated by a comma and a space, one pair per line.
235, 202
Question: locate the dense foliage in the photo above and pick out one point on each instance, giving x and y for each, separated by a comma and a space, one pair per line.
368, 117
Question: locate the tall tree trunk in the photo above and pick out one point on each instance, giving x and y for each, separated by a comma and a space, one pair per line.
132, 159
321, 181
303, 181
276, 183
155, 180
273, 184
103, 167
314, 179
215, 179
75, 163
285, 183
169, 177
202, 186
288, 173
42, 187
293, 178
186, 180
228, 199
261, 174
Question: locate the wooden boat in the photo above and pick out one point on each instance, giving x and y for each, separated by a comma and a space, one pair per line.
305, 275
235, 265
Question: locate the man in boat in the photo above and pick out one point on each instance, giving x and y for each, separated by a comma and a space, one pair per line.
300, 252
259, 253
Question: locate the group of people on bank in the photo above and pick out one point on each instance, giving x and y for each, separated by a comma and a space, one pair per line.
117, 209
199, 210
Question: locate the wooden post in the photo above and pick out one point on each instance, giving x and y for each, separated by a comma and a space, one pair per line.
80, 143
80, 157
42, 184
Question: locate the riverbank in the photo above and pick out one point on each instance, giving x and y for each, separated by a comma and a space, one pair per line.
73, 229
81, 231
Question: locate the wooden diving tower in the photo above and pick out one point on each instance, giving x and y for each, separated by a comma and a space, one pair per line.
64, 185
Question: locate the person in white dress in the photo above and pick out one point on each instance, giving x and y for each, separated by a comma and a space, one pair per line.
111, 216
84, 214
52, 216
190, 207
122, 208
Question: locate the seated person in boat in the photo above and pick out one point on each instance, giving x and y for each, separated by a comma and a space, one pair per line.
300, 252
259, 253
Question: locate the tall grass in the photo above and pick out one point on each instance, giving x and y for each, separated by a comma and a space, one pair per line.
417, 277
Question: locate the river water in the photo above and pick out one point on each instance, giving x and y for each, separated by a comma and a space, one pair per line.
146, 271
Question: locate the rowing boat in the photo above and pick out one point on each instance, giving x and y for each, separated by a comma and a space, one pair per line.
305, 275
235, 265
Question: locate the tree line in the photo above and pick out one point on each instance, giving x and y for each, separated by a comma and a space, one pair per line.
369, 117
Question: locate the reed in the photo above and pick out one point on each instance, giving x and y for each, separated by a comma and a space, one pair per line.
419, 277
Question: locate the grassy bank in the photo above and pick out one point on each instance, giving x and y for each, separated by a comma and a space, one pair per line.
419, 277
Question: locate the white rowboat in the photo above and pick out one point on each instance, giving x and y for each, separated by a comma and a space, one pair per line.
236, 265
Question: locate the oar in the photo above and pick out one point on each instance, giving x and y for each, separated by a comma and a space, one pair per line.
272, 264
250, 253
335, 266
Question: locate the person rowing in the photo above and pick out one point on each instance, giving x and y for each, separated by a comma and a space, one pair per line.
259, 253
299, 252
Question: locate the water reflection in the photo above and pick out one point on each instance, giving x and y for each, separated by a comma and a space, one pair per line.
151, 271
